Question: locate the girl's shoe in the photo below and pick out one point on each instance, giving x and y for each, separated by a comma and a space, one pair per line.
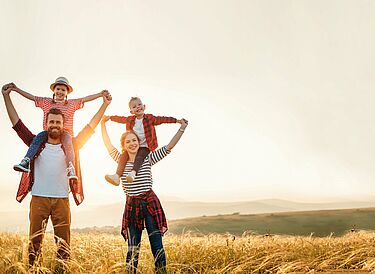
24, 166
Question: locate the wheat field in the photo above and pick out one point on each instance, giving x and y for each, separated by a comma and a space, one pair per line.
105, 253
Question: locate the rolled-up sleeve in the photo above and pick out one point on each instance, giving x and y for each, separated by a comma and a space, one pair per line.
23, 132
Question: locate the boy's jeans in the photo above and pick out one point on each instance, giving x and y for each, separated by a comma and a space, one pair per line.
66, 141
134, 244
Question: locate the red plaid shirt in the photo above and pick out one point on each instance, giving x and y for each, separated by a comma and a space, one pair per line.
149, 123
134, 214
27, 179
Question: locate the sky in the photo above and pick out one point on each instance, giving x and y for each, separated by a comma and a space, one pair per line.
279, 94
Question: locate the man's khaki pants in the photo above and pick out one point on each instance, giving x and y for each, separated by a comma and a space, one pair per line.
40, 210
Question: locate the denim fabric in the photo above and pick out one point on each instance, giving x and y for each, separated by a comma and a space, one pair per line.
66, 141
36, 143
134, 244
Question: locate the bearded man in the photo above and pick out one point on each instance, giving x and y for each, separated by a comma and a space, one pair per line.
48, 181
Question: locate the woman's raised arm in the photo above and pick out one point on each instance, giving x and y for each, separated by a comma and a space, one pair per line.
106, 140
177, 136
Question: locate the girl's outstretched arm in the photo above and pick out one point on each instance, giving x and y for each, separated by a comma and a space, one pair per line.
178, 135
23, 93
94, 96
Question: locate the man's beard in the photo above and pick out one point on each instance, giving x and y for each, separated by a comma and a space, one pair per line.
54, 134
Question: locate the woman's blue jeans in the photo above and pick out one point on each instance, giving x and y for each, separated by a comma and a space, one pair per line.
134, 244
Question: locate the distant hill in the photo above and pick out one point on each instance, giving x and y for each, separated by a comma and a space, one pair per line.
320, 223
111, 214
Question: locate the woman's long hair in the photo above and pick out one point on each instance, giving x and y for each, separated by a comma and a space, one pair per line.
123, 137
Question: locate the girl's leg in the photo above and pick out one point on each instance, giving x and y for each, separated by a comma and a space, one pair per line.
156, 242
66, 140
134, 245
139, 158
24, 166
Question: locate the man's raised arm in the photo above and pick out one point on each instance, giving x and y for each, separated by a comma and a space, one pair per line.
22, 131
107, 99
86, 133
12, 113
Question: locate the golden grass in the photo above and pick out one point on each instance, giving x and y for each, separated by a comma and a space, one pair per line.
105, 253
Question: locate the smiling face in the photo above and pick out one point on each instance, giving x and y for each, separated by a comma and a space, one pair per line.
60, 91
136, 106
130, 142
55, 125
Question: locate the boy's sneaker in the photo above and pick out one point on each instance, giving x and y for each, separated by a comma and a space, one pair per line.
24, 166
131, 176
113, 179
71, 172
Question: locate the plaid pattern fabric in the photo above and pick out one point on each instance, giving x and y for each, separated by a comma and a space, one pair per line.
27, 179
149, 123
133, 212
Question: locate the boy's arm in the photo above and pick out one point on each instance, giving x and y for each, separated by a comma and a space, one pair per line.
119, 119
22, 92
158, 120
94, 96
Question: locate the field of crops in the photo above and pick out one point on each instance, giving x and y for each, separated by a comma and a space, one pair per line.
105, 253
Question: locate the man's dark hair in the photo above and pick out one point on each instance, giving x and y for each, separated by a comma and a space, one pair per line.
55, 111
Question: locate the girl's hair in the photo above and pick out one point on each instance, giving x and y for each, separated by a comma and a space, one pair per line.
53, 99
123, 137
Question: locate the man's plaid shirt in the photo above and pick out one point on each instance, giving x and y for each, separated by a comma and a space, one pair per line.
149, 123
27, 179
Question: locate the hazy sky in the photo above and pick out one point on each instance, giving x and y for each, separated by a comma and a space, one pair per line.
279, 94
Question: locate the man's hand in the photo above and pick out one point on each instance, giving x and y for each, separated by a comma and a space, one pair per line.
104, 92
7, 88
107, 98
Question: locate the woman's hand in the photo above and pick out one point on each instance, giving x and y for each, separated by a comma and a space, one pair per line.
184, 123
105, 119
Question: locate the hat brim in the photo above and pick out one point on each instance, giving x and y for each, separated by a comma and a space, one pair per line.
52, 86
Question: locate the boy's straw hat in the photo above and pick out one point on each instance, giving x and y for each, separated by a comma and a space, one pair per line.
62, 81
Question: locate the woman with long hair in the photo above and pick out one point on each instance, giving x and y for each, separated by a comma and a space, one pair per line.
142, 208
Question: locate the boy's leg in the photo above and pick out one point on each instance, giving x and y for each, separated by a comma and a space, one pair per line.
115, 178
139, 158
66, 140
124, 157
24, 166
138, 161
